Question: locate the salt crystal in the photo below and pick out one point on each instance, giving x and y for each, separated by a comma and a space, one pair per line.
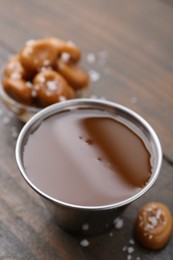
62, 98
14, 134
94, 75
65, 57
111, 234
130, 249
90, 57
153, 221
133, 100
29, 84
84, 243
71, 43
30, 42
42, 79
150, 237
52, 85
129, 257
46, 62
16, 75
93, 97
158, 213
131, 242
34, 93
118, 222
124, 248
6, 120
11, 65
85, 226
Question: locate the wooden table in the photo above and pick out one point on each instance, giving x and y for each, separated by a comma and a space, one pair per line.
129, 47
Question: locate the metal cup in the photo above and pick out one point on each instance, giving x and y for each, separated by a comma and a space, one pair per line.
84, 219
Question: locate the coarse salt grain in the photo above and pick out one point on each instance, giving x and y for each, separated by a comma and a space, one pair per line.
29, 84
46, 62
133, 100
30, 42
42, 79
85, 226
124, 248
90, 57
131, 242
94, 75
33, 93
15, 75
130, 249
62, 98
65, 57
129, 257
118, 223
52, 85
6, 120
84, 243
71, 43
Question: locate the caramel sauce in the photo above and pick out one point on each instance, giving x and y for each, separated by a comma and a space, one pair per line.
87, 158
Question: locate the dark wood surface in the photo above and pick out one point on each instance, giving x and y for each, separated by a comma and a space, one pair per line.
132, 42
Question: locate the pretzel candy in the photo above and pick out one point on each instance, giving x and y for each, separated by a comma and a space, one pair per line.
153, 225
18, 90
67, 48
14, 68
44, 72
51, 87
75, 76
38, 54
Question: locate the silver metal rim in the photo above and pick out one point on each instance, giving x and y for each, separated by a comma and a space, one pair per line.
86, 103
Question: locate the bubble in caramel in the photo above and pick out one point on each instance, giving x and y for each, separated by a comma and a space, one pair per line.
87, 157
153, 227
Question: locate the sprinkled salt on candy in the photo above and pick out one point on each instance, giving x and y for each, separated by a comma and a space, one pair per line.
29, 84
46, 62
65, 57
52, 85
42, 79
156, 228
33, 93
16, 75
84, 243
11, 65
118, 222
85, 226
94, 75
90, 57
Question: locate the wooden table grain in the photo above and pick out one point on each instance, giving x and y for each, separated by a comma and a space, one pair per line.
127, 47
